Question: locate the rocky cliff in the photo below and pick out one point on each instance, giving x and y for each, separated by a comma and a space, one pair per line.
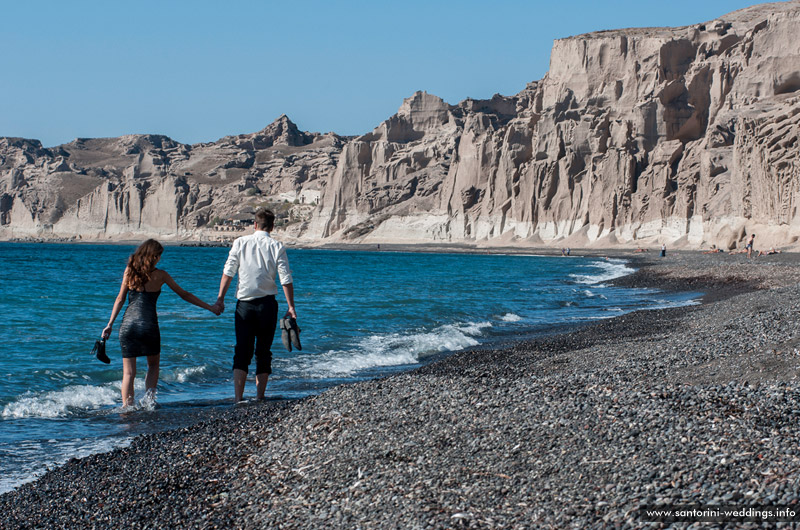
686, 135
681, 135
147, 185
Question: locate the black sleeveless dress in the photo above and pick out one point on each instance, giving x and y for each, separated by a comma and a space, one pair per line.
139, 334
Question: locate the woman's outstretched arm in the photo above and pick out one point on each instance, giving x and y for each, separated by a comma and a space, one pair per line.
186, 295
118, 303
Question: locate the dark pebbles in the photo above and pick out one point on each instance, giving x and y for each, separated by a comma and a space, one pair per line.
696, 405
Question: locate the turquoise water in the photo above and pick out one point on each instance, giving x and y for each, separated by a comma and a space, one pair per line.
362, 314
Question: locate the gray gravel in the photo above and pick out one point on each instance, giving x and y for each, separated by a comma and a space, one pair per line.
576, 430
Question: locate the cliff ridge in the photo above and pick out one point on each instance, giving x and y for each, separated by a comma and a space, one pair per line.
687, 136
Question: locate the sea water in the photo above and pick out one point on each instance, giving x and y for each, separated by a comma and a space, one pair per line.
362, 314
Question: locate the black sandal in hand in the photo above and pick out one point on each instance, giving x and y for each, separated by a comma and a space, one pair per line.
100, 350
290, 334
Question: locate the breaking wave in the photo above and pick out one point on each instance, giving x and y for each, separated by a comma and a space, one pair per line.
608, 270
393, 349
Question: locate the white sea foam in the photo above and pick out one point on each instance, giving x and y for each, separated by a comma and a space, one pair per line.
60, 375
149, 400
668, 304
510, 317
586, 293
393, 349
182, 375
47, 454
608, 270
66, 401
59, 403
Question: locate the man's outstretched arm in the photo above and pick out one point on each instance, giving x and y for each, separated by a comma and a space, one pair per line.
224, 283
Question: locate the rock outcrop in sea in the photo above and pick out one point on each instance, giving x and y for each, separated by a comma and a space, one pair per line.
681, 135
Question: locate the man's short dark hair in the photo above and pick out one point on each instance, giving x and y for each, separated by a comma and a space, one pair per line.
265, 219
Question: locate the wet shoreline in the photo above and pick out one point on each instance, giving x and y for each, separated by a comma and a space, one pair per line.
574, 429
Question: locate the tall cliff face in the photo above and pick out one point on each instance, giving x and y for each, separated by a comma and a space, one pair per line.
685, 134
680, 135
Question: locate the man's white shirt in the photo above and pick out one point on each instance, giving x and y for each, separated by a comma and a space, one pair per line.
257, 258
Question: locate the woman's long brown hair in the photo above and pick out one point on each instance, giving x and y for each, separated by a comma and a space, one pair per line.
142, 263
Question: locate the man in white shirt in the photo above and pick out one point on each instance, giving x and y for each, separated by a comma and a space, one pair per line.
257, 259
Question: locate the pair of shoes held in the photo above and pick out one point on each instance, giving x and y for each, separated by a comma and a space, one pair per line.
290, 334
100, 350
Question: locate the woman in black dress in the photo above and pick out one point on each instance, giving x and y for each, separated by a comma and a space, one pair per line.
139, 334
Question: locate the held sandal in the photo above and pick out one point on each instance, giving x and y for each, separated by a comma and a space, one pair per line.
100, 351
290, 334
287, 342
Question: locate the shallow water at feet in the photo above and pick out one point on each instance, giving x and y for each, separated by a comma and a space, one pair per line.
362, 315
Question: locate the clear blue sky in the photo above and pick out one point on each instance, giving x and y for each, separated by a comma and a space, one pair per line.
199, 70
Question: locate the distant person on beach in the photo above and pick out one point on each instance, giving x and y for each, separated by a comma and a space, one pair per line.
770, 252
663, 250
749, 246
139, 334
257, 258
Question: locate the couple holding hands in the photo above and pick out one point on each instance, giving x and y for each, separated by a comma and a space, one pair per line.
257, 258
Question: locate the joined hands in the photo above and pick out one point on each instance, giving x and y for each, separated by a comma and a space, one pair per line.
218, 308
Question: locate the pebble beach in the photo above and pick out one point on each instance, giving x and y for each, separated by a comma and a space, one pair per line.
577, 429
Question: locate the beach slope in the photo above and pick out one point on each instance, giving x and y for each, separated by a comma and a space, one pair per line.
695, 405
